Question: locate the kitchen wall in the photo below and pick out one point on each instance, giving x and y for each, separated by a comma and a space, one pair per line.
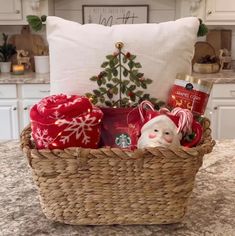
159, 11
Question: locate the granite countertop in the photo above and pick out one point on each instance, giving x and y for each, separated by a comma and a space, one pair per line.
211, 210
27, 78
223, 77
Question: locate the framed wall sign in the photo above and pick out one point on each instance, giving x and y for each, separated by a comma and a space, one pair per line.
115, 14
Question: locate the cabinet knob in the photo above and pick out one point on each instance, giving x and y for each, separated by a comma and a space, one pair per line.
25, 108
209, 12
17, 11
215, 108
14, 108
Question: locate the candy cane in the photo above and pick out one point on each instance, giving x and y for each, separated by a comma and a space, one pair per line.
164, 110
141, 107
185, 119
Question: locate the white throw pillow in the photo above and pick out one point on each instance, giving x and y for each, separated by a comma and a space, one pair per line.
77, 52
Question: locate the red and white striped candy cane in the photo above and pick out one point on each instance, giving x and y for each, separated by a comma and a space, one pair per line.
185, 118
142, 106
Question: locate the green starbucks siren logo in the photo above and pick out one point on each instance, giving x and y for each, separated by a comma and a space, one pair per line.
123, 140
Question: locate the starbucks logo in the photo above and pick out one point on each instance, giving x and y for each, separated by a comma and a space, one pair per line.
123, 140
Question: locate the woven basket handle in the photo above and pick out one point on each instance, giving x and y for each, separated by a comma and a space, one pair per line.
208, 142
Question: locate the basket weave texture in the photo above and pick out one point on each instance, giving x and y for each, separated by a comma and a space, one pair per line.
113, 186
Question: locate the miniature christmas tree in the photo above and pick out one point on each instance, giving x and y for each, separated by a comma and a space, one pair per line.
120, 82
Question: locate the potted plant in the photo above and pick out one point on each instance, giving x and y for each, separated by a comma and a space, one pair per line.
7, 50
41, 57
36, 22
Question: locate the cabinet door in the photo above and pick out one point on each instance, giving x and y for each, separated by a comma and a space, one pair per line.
9, 128
220, 11
223, 116
27, 104
10, 10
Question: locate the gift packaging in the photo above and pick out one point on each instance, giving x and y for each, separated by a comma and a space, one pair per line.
121, 127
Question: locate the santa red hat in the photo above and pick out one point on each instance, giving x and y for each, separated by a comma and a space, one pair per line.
182, 118
172, 122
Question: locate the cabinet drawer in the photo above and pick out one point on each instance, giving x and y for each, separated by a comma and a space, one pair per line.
8, 91
35, 90
223, 91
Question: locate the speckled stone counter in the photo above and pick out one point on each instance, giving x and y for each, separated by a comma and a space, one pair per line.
27, 78
224, 77
211, 210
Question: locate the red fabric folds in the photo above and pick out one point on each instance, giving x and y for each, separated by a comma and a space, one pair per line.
61, 121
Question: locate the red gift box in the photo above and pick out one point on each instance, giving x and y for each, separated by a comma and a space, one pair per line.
61, 121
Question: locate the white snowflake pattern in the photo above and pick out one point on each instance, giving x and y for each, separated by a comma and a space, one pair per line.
77, 100
78, 127
42, 137
56, 115
70, 103
41, 106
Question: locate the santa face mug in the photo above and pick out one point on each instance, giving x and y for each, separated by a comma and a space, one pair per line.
159, 131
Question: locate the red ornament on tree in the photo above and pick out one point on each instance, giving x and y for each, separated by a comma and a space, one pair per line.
128, 55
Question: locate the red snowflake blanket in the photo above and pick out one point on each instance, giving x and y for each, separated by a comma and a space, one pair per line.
61, 121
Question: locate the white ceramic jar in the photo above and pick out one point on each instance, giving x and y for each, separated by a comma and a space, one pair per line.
42, 65
5, 67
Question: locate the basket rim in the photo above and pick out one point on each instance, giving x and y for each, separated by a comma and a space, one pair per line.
205, 147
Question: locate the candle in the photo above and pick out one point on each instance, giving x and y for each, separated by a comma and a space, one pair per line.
191, 93
18, 69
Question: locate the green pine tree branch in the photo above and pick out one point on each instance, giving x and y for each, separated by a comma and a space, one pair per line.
120, 78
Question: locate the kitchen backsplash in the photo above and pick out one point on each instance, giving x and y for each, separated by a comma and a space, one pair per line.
159, 11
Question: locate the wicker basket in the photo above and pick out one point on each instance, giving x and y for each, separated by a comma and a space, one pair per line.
113, 186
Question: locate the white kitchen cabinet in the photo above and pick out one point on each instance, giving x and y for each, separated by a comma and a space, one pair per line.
221, 111
212, 12
14, 12
15, 103
34, 90
27, 105
223, 116
30, 94
9, 126
10, 10
220, 12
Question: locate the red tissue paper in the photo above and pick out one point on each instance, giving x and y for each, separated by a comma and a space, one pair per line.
61, 121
